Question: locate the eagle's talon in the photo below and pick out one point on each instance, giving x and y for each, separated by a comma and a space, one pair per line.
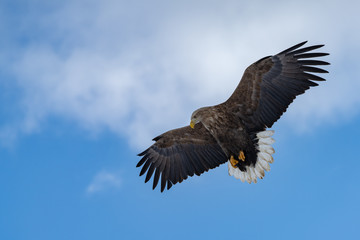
242, 156
233, 162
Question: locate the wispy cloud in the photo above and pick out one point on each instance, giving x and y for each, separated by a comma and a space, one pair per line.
138, 70
104, 181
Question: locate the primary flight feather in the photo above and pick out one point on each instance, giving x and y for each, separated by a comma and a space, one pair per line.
235, 131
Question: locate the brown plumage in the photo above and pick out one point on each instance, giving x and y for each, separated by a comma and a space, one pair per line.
235, 129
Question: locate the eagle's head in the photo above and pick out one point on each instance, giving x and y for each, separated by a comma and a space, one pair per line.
199, 115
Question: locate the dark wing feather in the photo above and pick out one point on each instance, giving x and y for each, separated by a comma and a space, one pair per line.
180, 153
269, 85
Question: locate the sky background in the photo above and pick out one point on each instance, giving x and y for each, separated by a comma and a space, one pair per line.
86, 85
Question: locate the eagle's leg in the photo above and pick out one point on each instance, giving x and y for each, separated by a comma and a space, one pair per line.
242, 156
233, 162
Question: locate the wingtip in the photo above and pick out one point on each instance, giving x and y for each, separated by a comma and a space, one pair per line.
326, 63
169, 185
301, 43
141, 162
142, 153
293, 47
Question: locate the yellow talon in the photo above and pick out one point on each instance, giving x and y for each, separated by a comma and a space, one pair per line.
242, 156
233, 162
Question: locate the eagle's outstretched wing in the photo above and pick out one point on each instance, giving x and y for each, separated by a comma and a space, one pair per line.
180, 153
269, 85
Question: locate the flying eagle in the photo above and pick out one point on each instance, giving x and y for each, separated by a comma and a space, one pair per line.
235, 131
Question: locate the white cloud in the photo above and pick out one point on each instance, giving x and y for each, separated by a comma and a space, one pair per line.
140, 69
104, 181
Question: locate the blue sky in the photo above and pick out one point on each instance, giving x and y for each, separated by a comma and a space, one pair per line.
86, 85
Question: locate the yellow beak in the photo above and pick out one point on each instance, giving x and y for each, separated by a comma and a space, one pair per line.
192, 124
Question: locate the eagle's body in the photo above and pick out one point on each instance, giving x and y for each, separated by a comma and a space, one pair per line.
235, 131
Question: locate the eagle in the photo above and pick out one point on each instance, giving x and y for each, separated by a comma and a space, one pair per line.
235, 131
